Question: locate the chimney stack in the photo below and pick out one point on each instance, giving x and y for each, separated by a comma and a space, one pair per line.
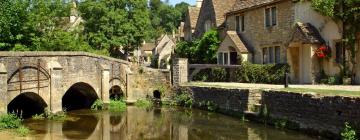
199, 3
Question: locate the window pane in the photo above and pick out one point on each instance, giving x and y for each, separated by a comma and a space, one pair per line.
339, 53
242, 23
226, 59
237, 24
277, 54
271, 54
267, 17
220, 58
265, 55
273, 15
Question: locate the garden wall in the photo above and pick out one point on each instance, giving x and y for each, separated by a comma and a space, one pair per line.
315, 115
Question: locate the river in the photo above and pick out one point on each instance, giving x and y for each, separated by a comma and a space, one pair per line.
165, 123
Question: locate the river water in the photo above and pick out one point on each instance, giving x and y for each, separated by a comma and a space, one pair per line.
166, 123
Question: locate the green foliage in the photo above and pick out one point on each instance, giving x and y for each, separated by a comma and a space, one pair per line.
97, 105
257, 73
201, 51
184, 99
22, 131
208, 105
117, 105
144, 103
59, 116
9, 121
211, 75
348, 133
38, 116
280, 123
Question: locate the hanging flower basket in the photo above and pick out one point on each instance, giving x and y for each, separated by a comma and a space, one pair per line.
323, 52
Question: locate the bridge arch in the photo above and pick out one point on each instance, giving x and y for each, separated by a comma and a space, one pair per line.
116, 92
79, 96
81, 128
26, 105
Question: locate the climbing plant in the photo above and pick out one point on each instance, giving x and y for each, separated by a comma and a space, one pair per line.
347, 12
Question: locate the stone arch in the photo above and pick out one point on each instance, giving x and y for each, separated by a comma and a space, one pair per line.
116, 92
79, 96
26, 105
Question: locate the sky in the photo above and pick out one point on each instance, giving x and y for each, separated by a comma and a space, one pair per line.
191, 2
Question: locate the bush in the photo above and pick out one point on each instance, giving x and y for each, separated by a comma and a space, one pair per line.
97, 105
211, 75
117, 106
184, 99
10, 121
348, 133
22, 131
258, 73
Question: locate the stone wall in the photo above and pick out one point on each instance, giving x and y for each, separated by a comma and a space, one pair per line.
143, 84
180, 71
323, 116
257, 36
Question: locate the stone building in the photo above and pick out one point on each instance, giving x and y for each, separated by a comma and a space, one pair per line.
146, 52
163, 50
283, 31
212, 15
190, 21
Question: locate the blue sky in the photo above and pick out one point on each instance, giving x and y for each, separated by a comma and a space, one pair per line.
191, 2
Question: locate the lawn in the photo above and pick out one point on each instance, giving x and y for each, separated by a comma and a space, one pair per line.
324, 92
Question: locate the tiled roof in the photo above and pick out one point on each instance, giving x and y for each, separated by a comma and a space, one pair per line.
247, 4
221, 7
148, 46
307, 33
237, 41
194, 15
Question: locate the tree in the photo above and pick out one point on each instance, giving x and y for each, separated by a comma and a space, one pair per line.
347, 12
115, 24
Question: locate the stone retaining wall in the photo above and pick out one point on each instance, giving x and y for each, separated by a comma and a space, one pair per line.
315, 115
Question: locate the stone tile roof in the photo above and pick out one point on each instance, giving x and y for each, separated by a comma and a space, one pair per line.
148, 46
194, 15
307, 33
237, 41
241, 5
221, 7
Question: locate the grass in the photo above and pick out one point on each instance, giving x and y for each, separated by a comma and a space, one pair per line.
144, 103
12, 122
323, 92
22, 131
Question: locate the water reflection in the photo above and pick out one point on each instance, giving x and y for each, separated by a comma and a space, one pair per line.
157, 123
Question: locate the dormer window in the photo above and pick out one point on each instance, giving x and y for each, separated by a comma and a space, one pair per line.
270, 17
240, 23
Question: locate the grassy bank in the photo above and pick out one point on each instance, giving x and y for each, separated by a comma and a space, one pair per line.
324, 92
11, 122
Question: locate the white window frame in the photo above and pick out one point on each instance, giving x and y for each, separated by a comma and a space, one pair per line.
271, 18
223, 59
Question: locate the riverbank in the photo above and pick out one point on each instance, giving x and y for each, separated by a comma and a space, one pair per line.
312, 113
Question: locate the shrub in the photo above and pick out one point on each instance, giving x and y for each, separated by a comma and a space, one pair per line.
117, 106
38, 116
97, 105
144, 103
348, 133
9, 121
258, 73
211, 75
60, 116
184, 99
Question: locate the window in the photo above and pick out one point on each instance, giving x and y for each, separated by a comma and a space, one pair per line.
271, 55
339, 53
226, 58
220, 59
240, 23
207, 25
270, 16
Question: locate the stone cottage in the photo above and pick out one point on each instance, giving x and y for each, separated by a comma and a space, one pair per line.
283, 31
162, 52
212, 15
190, 21
146, 52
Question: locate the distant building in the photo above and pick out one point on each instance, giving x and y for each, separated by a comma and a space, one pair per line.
147, 53
162, 52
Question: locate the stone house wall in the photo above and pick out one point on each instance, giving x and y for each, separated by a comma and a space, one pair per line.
257, 36
207, 13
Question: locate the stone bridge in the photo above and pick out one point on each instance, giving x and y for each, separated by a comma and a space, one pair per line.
32, 81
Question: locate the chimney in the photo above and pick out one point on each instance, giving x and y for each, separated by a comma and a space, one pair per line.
199, 3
